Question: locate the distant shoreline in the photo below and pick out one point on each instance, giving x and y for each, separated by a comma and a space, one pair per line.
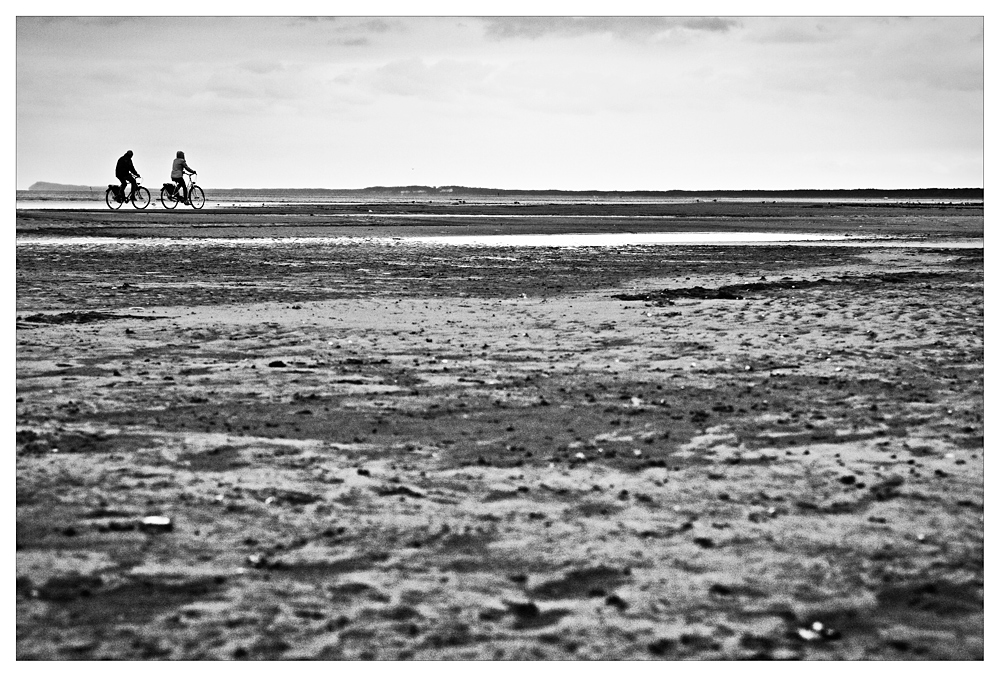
464, 191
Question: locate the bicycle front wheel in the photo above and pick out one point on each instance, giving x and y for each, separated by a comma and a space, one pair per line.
111, 199
197, 197
140, 198
168, 199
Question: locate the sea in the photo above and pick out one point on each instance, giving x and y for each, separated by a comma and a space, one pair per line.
245, 197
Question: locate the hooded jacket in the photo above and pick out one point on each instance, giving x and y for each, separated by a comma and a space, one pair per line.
178, 167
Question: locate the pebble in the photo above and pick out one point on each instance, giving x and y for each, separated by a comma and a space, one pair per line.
817, 631
156, 524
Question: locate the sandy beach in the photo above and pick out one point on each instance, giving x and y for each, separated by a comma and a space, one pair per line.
351, 445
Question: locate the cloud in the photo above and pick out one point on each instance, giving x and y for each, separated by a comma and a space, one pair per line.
259, 82
795, 31
439, 80
351, 32
709, 23
623, 28
378, 26
261, 67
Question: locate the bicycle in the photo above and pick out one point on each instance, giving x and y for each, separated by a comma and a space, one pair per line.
170, 195
139, 196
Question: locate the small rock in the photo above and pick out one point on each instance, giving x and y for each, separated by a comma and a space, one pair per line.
818, 632
156, 524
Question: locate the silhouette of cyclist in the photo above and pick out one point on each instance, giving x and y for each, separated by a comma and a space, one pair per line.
125, 172
177, 171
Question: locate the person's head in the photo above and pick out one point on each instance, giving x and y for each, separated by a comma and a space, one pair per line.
180, 154
128, 153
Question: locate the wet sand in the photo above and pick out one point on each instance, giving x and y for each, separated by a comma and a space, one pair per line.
391, 450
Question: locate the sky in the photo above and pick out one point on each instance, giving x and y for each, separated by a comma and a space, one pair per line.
532, 102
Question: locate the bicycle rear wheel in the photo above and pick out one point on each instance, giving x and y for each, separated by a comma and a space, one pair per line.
168, 200
140, 198
111, 199
197, 197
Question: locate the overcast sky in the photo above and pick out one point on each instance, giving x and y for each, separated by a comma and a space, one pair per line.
538, 102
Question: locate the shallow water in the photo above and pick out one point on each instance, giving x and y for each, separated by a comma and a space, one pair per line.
561, 240
99, 205
229, 199
619, 239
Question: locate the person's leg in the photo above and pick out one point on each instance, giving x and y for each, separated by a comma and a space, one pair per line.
135, 186
121, 188
182, 187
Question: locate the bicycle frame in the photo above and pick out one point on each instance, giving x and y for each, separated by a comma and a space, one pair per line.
129, 191
170, 194
136, 193
188, 185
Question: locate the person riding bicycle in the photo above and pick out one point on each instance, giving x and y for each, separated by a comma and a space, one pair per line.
177, 172
125, 172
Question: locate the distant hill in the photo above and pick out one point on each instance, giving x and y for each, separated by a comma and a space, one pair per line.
803, 193
68, 188
465, 191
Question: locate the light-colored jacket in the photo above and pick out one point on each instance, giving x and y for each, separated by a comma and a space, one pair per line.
177, 169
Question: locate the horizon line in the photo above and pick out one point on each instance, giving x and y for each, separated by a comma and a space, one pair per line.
68, 187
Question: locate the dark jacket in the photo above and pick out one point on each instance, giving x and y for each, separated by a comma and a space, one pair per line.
125, 167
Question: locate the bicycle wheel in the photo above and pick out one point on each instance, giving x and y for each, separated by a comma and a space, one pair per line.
168, 200
197, 197
111, 199
140, 198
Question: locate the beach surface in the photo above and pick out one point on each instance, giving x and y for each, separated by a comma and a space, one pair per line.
296, 432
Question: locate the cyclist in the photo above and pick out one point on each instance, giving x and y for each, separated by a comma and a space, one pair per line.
125, 172
177, 172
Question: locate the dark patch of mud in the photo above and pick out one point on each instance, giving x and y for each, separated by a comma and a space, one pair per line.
291, 273
32, 442
597, 581
77, 598
78, 317
739, 292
